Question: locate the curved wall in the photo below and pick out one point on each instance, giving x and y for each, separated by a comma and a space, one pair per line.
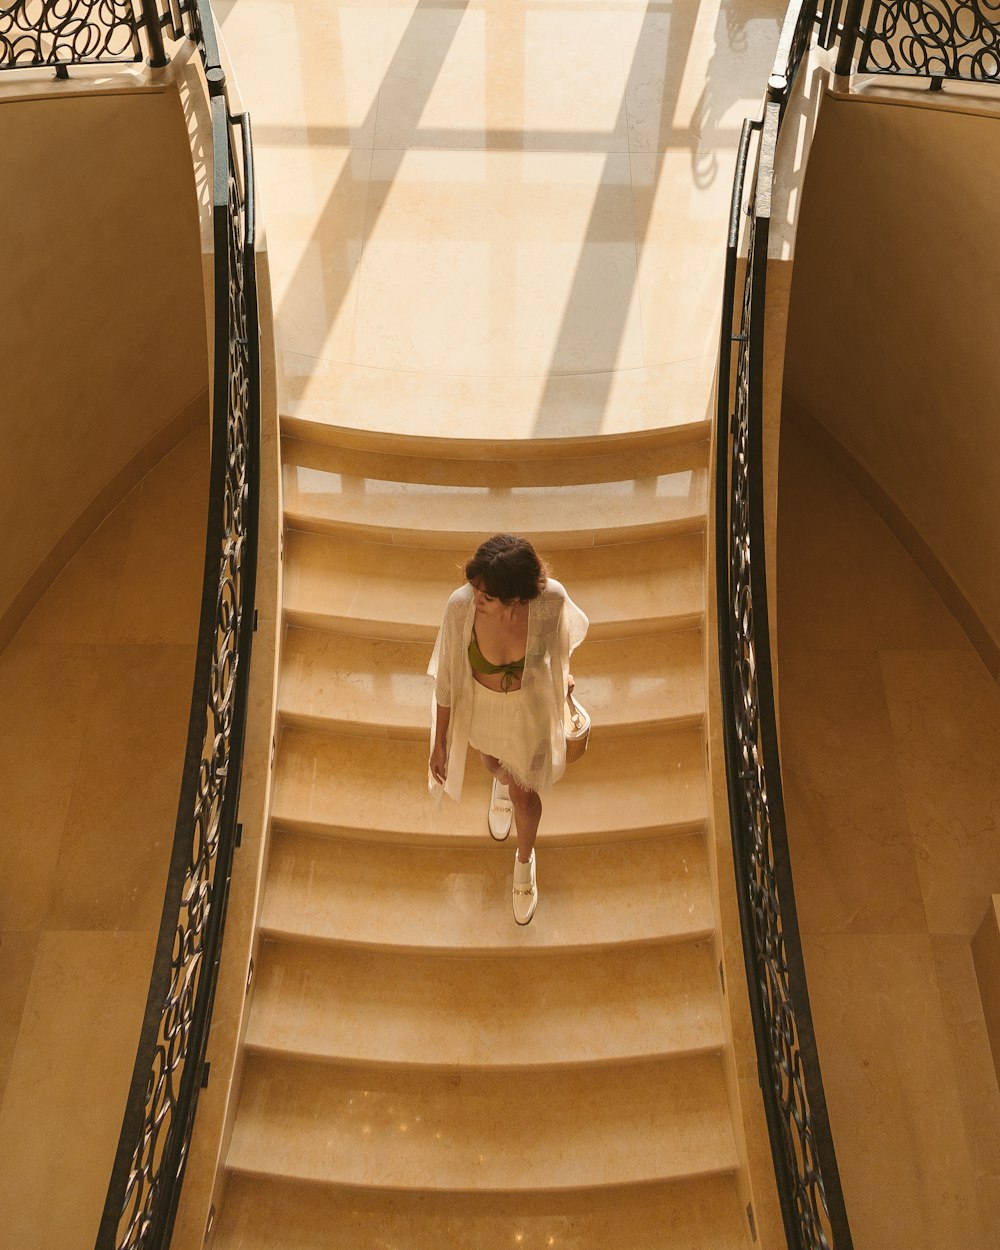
104, 354
96, 693
893, 330
892, 794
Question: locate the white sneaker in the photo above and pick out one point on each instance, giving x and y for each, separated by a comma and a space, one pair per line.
501, 812
525, 895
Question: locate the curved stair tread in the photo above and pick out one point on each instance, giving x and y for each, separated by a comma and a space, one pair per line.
623, 787
480, 1130
338, 583
380, 895
370, 686
261, 1213
425, 502
373, 1007
518, 467
349, 404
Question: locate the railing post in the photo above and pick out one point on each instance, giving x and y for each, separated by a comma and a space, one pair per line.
154, 35
849, 37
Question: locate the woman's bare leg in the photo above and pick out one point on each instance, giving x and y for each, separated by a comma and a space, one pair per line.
495, 768
527, 807
527, 814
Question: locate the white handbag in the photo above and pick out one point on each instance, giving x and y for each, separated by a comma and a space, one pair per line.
576, 720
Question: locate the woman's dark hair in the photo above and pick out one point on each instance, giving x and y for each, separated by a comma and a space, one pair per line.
507, 567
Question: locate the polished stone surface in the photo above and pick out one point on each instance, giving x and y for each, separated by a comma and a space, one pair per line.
889, 726
556, 503
698, 1215
372, 685
525, 193
381, 896
394, 1129
96, 690
480, 1012
986, 961
64, 1096
377, 788
399, 592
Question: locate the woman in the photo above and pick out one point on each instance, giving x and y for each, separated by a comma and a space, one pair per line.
501, 674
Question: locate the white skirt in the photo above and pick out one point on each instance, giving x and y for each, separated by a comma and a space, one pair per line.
493, 718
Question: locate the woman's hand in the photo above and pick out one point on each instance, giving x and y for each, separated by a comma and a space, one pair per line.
439, 763
570, 684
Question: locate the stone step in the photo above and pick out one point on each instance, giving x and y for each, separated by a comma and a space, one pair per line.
480, 1130
350, 405
377, 590
622, 788
383, 896
261, 1213
573, 501
476, 1011
374, 686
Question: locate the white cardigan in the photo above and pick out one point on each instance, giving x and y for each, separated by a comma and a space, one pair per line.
537, 752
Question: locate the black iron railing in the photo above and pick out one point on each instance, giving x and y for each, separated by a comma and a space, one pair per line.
933, 39
61, 33
170, 1066
805, 1163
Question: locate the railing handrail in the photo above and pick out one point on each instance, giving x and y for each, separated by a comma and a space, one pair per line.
806, 1173
144, 1189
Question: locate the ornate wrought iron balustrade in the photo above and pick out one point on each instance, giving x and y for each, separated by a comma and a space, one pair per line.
802, 1150
60, 33
170, 1065
935, 39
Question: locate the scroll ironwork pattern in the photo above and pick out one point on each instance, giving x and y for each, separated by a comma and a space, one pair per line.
805, 1162
153, 1162
759, 851
62, 32
957, 39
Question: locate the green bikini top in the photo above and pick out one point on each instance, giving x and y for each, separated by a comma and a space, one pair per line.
482, 665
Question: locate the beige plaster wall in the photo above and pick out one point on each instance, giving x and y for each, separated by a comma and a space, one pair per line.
893, 326
104, 362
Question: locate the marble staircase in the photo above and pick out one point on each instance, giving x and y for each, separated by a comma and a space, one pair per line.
418, 1069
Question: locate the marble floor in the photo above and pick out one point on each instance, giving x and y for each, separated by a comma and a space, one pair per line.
90, 785
498, 220
889, 724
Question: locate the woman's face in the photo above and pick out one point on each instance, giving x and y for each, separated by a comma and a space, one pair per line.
486, 605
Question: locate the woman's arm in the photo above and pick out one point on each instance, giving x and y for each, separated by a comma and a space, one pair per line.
439, 751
